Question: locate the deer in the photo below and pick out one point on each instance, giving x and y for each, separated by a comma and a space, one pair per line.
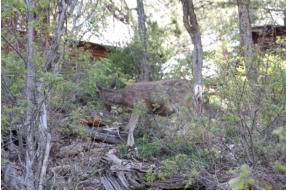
162, 98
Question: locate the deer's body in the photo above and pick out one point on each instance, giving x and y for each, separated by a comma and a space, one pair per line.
159, 97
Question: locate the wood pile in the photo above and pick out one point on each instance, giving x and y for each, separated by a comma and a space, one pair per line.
130, 173
120, 174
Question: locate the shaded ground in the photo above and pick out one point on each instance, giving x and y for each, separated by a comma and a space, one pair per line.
78, 162
88, 157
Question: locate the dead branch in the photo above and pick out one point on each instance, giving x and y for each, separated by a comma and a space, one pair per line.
105, 135
12, 174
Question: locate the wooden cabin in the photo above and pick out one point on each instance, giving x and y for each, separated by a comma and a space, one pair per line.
97, 51
266, 36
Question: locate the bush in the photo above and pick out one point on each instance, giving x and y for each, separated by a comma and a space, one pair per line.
182, 145
243, 180
146, 148
178, 165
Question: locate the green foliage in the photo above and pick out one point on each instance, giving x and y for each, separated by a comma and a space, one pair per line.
96, 171
124, 59
280, 167
231, 121
77, 123
252, 112
170, 167
243, 180
256, 126
67, 78
155, 107
122, 149
183, 145
281, 133
4, 124
140, 108
81, 132
158, 53
145, 148
13, 103
178, 165
64, 130
181, 69
151, 176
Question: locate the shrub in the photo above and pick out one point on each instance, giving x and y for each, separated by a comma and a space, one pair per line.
145, 148
243, 180
176, 145
122, 150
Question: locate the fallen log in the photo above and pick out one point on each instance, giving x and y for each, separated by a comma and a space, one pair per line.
121, 174
112, 136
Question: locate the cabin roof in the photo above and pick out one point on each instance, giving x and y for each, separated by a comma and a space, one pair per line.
269, 30
98, 51
265, 36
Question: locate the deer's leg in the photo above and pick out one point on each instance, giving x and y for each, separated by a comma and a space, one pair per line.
198, 89
131, 125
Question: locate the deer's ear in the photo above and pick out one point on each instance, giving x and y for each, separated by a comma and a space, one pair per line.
98, 86
113, 83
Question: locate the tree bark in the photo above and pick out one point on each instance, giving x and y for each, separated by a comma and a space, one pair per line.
36, 147
143, 62
246, 39
284, 12
249, 60
30, 74
55, 45
108, 136
45, 135
191, 25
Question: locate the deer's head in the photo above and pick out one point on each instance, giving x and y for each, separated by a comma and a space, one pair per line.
109, 96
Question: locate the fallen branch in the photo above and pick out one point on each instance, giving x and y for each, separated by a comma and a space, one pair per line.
121, 174
105, 135
12, 175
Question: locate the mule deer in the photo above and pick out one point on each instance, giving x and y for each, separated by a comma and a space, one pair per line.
163, 97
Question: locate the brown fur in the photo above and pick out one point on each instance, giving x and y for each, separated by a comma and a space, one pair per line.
159, 97
164, 93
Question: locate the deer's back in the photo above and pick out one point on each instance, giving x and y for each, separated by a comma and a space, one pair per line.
159, 96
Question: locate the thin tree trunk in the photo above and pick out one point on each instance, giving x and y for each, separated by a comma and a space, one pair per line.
55, 45
43, 127
29, 155
191, 25
246, 40
144, 65
37, 158
284, 12
249, 60
45, 161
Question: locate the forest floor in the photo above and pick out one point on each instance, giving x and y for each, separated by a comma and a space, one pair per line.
90, 154
80, 162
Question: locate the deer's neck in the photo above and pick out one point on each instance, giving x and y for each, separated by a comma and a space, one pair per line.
113, 97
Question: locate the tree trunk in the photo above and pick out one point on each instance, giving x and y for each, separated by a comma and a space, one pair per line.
45, 135
251, 72
284, 12
246, 39
37, 138
143, 62
30, 74
191, 25
55, 45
